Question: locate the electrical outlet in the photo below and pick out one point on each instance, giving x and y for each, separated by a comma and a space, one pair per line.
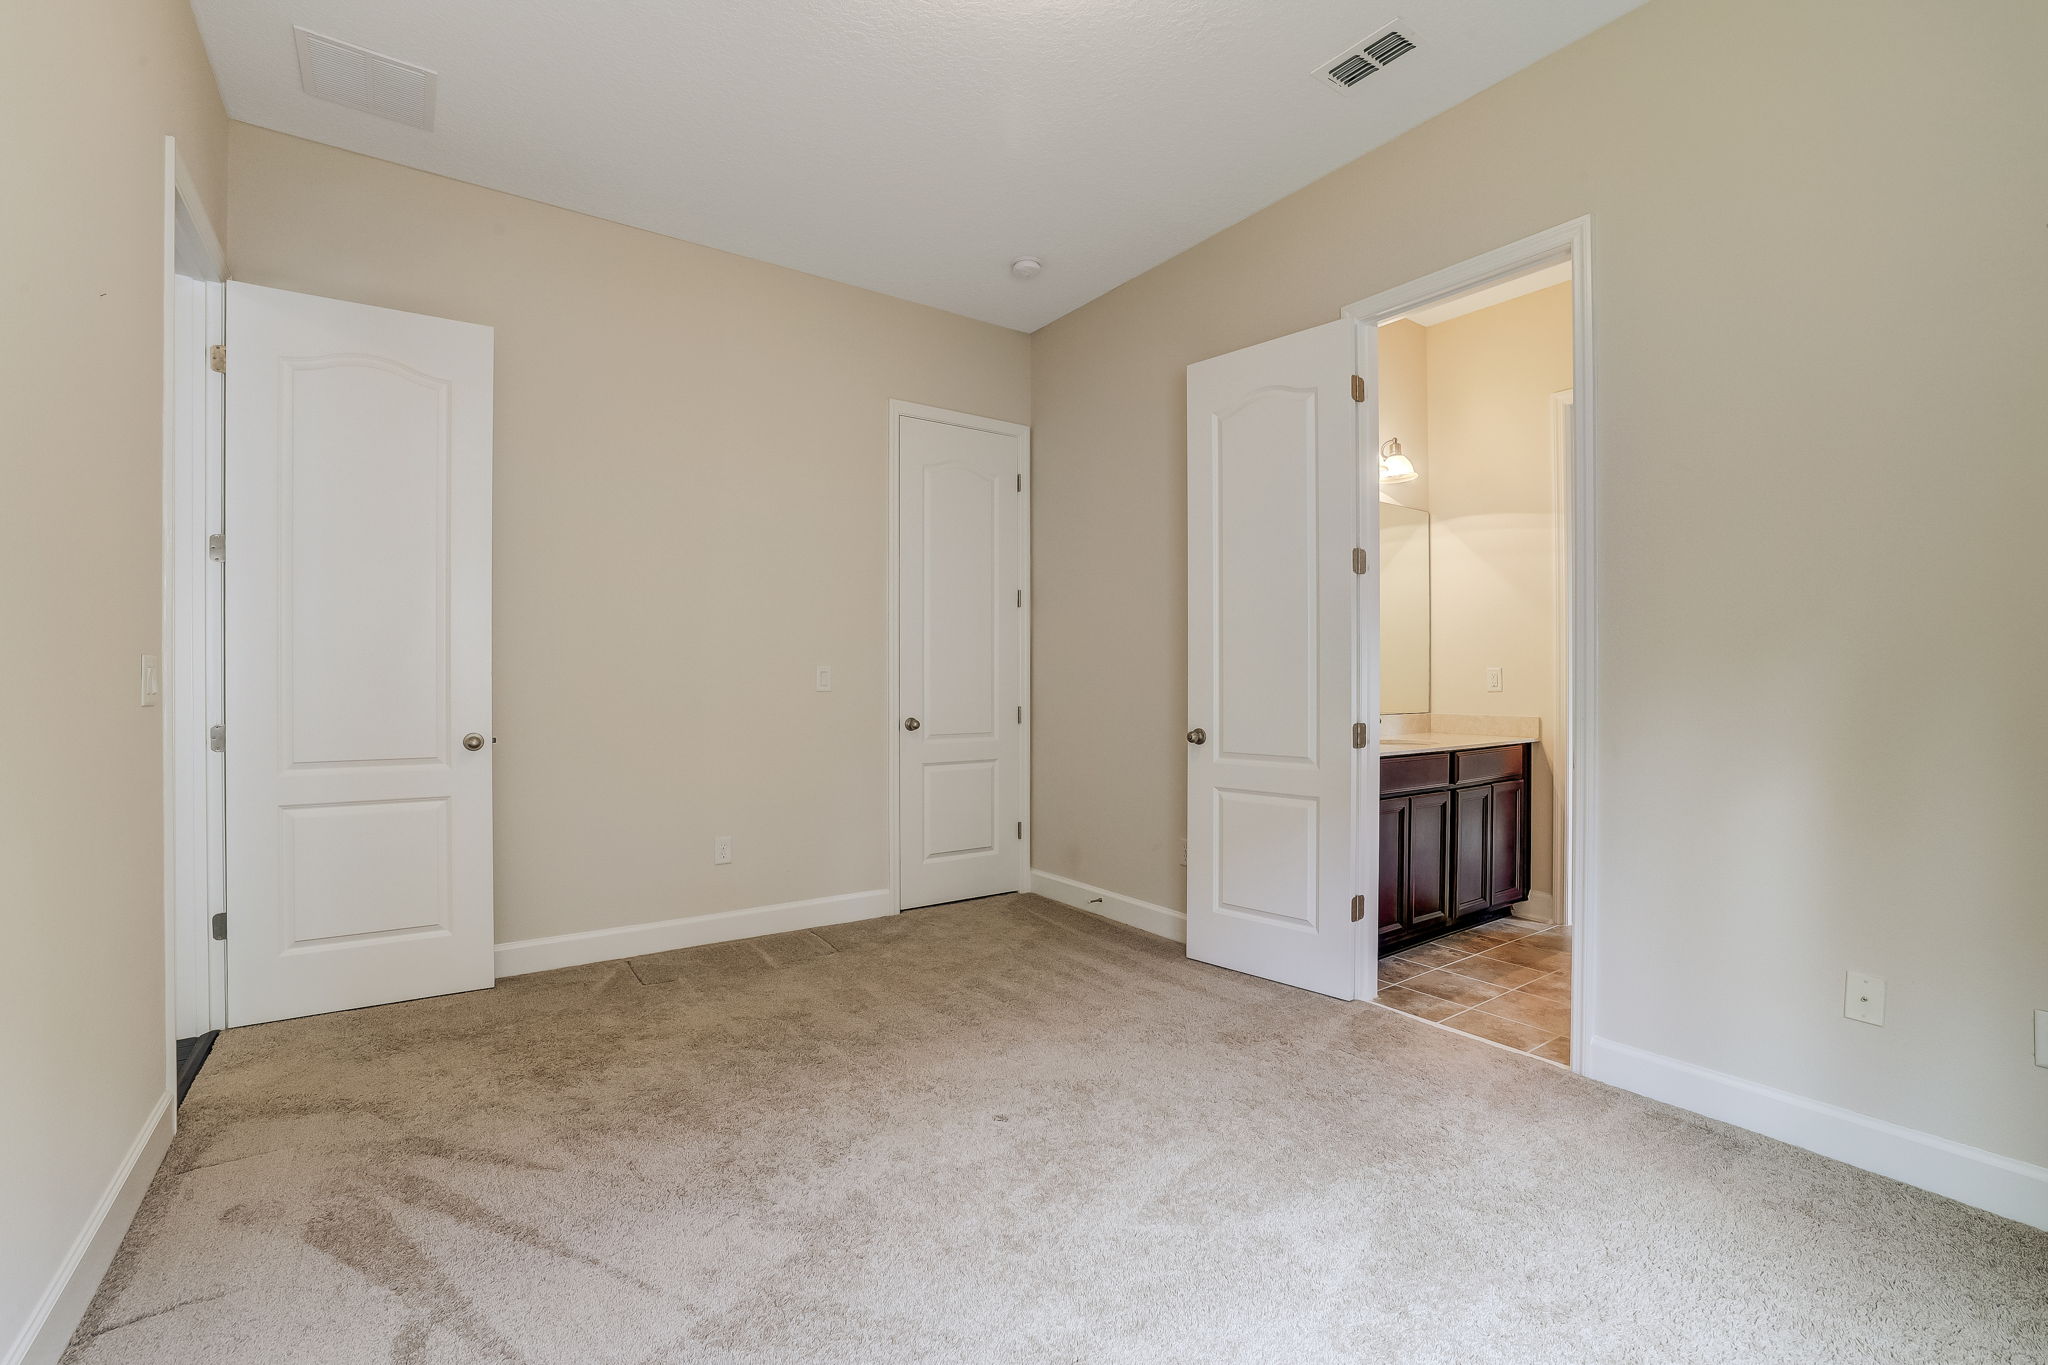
1863, 998
824, 677
152, 680
721, 849
1493, 680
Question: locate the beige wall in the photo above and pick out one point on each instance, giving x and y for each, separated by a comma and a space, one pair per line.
1493, 525
1404, 405
691, 514
1817, 273
88, 90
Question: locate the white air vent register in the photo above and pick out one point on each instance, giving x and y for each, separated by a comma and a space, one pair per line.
1360, 60
343, 73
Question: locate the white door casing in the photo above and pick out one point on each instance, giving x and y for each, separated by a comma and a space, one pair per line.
1277, 666
960, 647
358, 525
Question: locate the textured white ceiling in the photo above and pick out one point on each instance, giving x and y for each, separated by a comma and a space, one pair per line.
915, 147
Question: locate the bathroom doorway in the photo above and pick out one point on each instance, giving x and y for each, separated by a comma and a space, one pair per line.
1472, 426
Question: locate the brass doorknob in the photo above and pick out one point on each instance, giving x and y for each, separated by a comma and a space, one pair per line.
1198, 736
910, 724
472, 741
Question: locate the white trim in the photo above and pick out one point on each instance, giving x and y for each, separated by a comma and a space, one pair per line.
62, 1306
1153, 919
2002, 1185
1579, 708
521, 956
194, 987
1542, 908
1563, 478
898, 408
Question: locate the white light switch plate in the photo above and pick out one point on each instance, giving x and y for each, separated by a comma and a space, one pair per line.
1863, 1000
824, 677
2041, 1037
152, 680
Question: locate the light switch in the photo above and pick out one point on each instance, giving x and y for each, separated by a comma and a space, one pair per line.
2041, 1037
152, 680
1863, 1000
824, 677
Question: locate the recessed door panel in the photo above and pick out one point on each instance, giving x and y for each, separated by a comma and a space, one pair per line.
363, 526
1266, 856
960, 651
1265, 587
358, 511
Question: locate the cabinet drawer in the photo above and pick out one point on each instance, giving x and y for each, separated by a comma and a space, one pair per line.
1489, 765
1414, 772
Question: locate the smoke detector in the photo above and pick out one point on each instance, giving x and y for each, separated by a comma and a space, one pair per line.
1024, 267
1361, 59
342, 73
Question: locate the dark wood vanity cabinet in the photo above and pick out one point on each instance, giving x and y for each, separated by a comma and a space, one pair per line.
1454, 839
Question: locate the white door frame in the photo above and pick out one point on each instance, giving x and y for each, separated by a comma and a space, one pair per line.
898, 410
1578, 602
195, 984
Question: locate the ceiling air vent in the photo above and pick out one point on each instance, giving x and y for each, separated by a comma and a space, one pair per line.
345, 74
1360, 60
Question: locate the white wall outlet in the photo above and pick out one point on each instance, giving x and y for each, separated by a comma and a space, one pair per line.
824, 677
152, 680
721, 849
2041, 1037
1493, 680
1863, 999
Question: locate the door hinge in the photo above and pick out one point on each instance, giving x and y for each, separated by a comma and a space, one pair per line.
217, 359
217, 547
217, 739
1358, 388
1358, 561
1358, 736
220, 927
1357, 908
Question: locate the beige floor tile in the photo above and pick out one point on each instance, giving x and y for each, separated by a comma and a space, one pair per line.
1439, 953
1393, 969
1556, 986
1530, 955
1448, 985
1552, 1016
1512, 1032
1418, 1004
1496, 973
1556, 1050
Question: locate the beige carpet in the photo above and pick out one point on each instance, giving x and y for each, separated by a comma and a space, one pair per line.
999, 1132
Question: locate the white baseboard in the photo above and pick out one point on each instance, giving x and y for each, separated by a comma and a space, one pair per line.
693, 931
1153, 919
57, 1314
2002, 1185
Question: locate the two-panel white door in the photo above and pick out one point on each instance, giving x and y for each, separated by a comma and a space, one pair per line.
960, 656
358, 516
1275, 674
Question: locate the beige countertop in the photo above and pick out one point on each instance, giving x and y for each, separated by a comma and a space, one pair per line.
1443, 744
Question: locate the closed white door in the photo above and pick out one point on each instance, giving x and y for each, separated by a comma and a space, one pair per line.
961, 640
358, 729
1274, 660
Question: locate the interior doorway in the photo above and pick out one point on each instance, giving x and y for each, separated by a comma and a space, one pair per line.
1483, 482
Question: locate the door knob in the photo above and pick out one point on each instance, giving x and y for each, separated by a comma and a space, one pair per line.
1198, 736
472, 741
910, 724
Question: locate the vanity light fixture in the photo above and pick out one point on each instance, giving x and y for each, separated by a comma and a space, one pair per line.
1394, 466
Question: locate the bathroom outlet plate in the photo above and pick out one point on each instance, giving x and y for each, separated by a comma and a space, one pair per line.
1863, 998
1493, 680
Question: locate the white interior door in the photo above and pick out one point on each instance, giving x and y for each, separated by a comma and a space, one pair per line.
1274, 666
961, 639
358, 655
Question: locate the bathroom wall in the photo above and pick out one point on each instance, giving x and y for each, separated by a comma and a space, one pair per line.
1404, 405
1493, 529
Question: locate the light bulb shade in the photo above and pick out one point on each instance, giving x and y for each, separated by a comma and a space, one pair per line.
1394, 466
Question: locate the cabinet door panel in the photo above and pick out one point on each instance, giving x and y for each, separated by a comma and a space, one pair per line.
1429, 840
1393, 857
1470, 809
1507, 851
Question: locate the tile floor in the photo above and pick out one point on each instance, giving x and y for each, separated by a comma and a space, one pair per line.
1508, 980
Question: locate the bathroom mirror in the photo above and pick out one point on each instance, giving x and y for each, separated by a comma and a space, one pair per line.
1404, 610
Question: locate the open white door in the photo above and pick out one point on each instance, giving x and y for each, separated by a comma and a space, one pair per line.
1274, 666
358, 655
960, 640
